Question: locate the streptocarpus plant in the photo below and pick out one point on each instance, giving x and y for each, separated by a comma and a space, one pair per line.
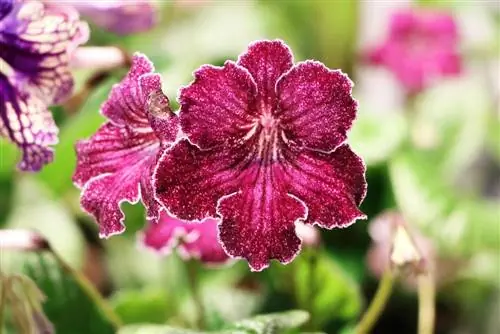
264, 148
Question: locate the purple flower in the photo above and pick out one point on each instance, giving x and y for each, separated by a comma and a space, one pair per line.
198, 241
421, 48
35, 46
115, 164
264, 149
118, 16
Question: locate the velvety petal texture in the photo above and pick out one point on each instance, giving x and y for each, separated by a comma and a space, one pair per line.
36, 43
116, 163
422, 46
191, 240
264, 150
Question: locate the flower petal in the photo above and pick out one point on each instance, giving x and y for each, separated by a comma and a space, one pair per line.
126, 105
258, 222
218, 106
5, 8
316, 108
332, 186
36, 41
193, 240
27, 122
113, 164
189, 181
267, 61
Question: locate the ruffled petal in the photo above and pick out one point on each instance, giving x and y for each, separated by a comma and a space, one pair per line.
126, 105
316, 108
189, 181
219, 106
111, 167
27, 122
258, 222
36, 42
192, 240
267, 61
332, 186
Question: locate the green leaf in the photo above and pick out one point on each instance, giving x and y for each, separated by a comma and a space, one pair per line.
163, 329
149, 305
67, 306
324, 289
376, 137
273, 323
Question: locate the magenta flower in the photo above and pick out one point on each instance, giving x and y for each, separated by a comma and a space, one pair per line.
199, 241
118, 16
264, 149
115, 164
421, 48
35, 46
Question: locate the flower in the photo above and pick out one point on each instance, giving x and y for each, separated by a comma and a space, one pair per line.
398, 245
118, 16
115, 164
421, 48
264, 148
35, 45
192, 240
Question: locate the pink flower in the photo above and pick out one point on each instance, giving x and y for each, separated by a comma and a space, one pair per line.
421, 48
115, 164
264, 148
193, 240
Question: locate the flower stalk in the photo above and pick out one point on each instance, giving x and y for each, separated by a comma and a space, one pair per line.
377, 304
194, 287
426, 303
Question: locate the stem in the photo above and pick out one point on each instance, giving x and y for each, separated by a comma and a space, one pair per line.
90, 291
377, 304
194, 286
426, 303
3, 299
313, 265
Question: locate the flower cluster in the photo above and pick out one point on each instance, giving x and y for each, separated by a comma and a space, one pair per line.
36, 42
258, 145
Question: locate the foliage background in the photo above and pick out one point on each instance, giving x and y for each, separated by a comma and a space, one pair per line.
437, 161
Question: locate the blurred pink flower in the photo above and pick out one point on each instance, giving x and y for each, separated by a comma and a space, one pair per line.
191, 240
421, 47
122, 17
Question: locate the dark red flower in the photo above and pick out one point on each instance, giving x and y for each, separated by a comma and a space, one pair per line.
116, 163
422, 46
36, 43
191, 240
264, 148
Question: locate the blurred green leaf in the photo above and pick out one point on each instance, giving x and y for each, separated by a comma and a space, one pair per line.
324, 289
67, 306
376, 137
273, 323
162, 329
148, 305
9, 156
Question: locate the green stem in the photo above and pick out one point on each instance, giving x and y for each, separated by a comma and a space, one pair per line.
426, 303
194, 286
377, 304
90, 291
3, 299
313, 265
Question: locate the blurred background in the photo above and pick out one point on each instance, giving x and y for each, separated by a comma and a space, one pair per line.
432, 154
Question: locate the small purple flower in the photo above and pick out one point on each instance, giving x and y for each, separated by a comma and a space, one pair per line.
199, 241
118, 16
116, 163
35, 46
265, 148
421, 47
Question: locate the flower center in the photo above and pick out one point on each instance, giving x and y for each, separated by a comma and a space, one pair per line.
268, 146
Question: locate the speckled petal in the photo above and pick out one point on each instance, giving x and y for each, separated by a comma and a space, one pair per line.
332, 186
189, 181
192, 240
36, 42
111, 166
258, 222
218, 106
267, 61
27, 122
316, 107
